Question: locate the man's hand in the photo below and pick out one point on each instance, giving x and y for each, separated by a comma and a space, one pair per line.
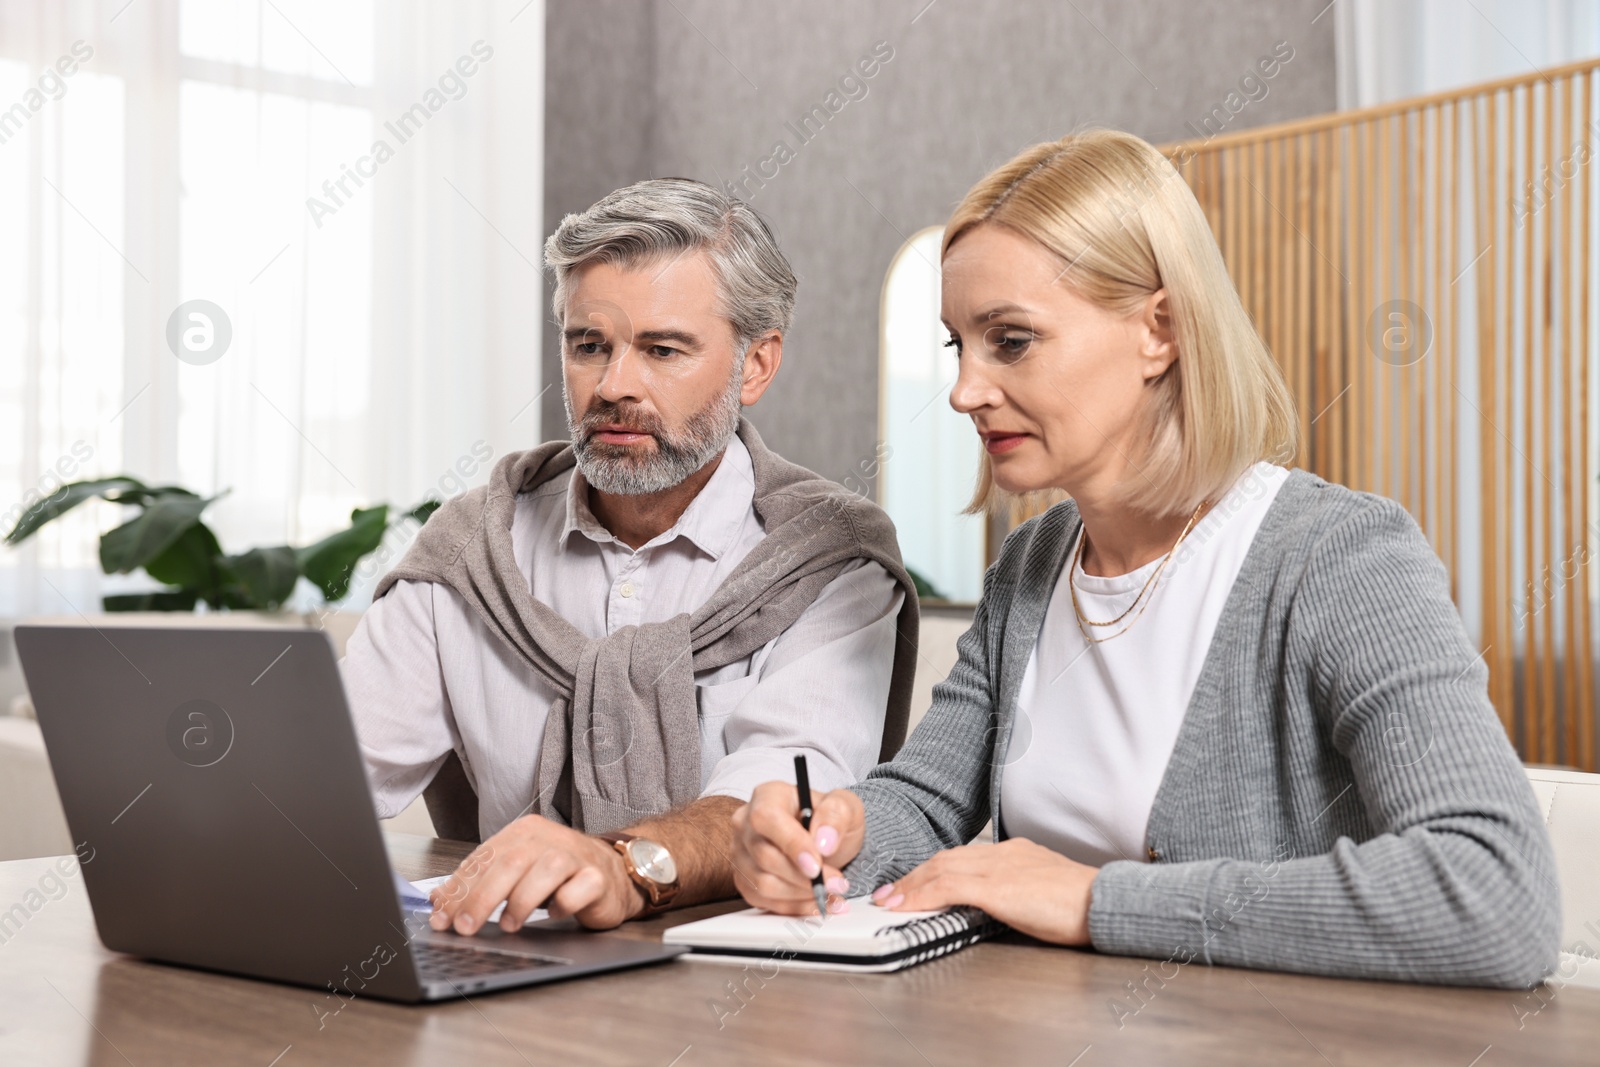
774, 857
1026, 886
535, 863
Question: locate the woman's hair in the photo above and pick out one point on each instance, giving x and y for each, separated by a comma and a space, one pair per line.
1124, 224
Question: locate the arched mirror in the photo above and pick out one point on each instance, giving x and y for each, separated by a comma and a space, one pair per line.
932, 454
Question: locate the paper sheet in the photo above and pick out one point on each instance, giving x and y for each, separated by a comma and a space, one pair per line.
414, 897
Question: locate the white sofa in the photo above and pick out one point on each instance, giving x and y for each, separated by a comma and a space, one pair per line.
1571, 804
32, 823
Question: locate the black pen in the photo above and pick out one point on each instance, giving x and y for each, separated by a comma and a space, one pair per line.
802, 782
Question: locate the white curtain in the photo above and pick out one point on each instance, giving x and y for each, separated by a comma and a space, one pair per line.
356, 186
1391, 49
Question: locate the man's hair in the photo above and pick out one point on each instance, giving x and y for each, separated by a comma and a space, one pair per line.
660, 219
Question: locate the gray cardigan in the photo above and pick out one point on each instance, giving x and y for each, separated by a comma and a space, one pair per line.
1341, 798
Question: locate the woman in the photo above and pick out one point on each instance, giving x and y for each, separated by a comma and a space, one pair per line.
1216, 710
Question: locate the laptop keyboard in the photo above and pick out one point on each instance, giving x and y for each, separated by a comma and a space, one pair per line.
435, 961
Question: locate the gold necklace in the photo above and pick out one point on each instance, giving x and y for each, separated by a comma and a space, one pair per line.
1078, 557
1141, 601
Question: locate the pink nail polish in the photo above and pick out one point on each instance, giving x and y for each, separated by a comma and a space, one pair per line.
838, 907
827, 840
882, 891
895, 901
838, 885
809, 865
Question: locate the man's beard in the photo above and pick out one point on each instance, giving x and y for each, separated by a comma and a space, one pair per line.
629, 470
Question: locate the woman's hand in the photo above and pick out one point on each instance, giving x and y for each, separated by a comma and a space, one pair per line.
1026, 886
774, 857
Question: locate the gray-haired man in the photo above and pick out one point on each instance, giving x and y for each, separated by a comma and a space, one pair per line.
591, 662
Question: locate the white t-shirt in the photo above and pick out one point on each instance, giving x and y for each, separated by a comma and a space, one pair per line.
1096, 723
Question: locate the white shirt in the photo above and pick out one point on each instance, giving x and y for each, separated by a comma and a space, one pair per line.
424, 675
1096, 723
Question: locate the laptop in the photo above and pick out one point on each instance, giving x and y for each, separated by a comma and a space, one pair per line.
217, 800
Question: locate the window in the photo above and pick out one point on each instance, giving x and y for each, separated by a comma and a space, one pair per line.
61, 304
932, 463
381, 323
281, 418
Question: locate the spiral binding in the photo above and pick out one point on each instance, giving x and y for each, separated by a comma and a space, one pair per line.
942, 934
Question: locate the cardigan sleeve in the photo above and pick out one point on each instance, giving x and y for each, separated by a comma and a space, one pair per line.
1457, 883
934, 794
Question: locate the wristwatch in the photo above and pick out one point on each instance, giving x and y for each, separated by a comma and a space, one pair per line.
650, 866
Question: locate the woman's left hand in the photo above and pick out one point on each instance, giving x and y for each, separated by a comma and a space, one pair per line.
1026, 886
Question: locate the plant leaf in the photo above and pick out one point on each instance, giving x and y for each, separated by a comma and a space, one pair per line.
143, 494
190, 563
331, 562
423, 510
267, 575
140, 540
925, 588
162, 600
64, 500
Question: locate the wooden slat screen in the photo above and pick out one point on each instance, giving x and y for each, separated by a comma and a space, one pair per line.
1423, 272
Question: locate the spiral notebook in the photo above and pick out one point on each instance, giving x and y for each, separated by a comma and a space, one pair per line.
865, 938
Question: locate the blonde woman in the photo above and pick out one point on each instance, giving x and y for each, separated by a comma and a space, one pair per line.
1216, 710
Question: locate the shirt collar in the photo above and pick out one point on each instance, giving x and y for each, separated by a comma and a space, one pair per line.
711, 521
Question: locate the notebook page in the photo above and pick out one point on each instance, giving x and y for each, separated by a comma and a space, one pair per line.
852, 934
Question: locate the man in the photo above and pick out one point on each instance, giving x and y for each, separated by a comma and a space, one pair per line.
590, 662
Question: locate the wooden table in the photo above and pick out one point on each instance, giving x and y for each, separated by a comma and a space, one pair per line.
65, 1000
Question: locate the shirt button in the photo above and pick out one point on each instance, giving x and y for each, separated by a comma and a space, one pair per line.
627, 589
1155, 857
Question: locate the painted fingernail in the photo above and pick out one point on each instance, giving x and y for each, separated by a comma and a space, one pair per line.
838, 884
809, 865
882, 892
895, 901
838, 907
827, 840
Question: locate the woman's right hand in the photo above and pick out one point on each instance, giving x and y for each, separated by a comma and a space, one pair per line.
774, 857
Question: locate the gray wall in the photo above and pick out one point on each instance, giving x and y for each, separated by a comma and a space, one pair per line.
702, 89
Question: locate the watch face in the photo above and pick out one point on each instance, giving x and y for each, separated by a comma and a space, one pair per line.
653, 860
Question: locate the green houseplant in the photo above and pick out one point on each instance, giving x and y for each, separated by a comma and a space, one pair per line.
172, 544
925, 589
